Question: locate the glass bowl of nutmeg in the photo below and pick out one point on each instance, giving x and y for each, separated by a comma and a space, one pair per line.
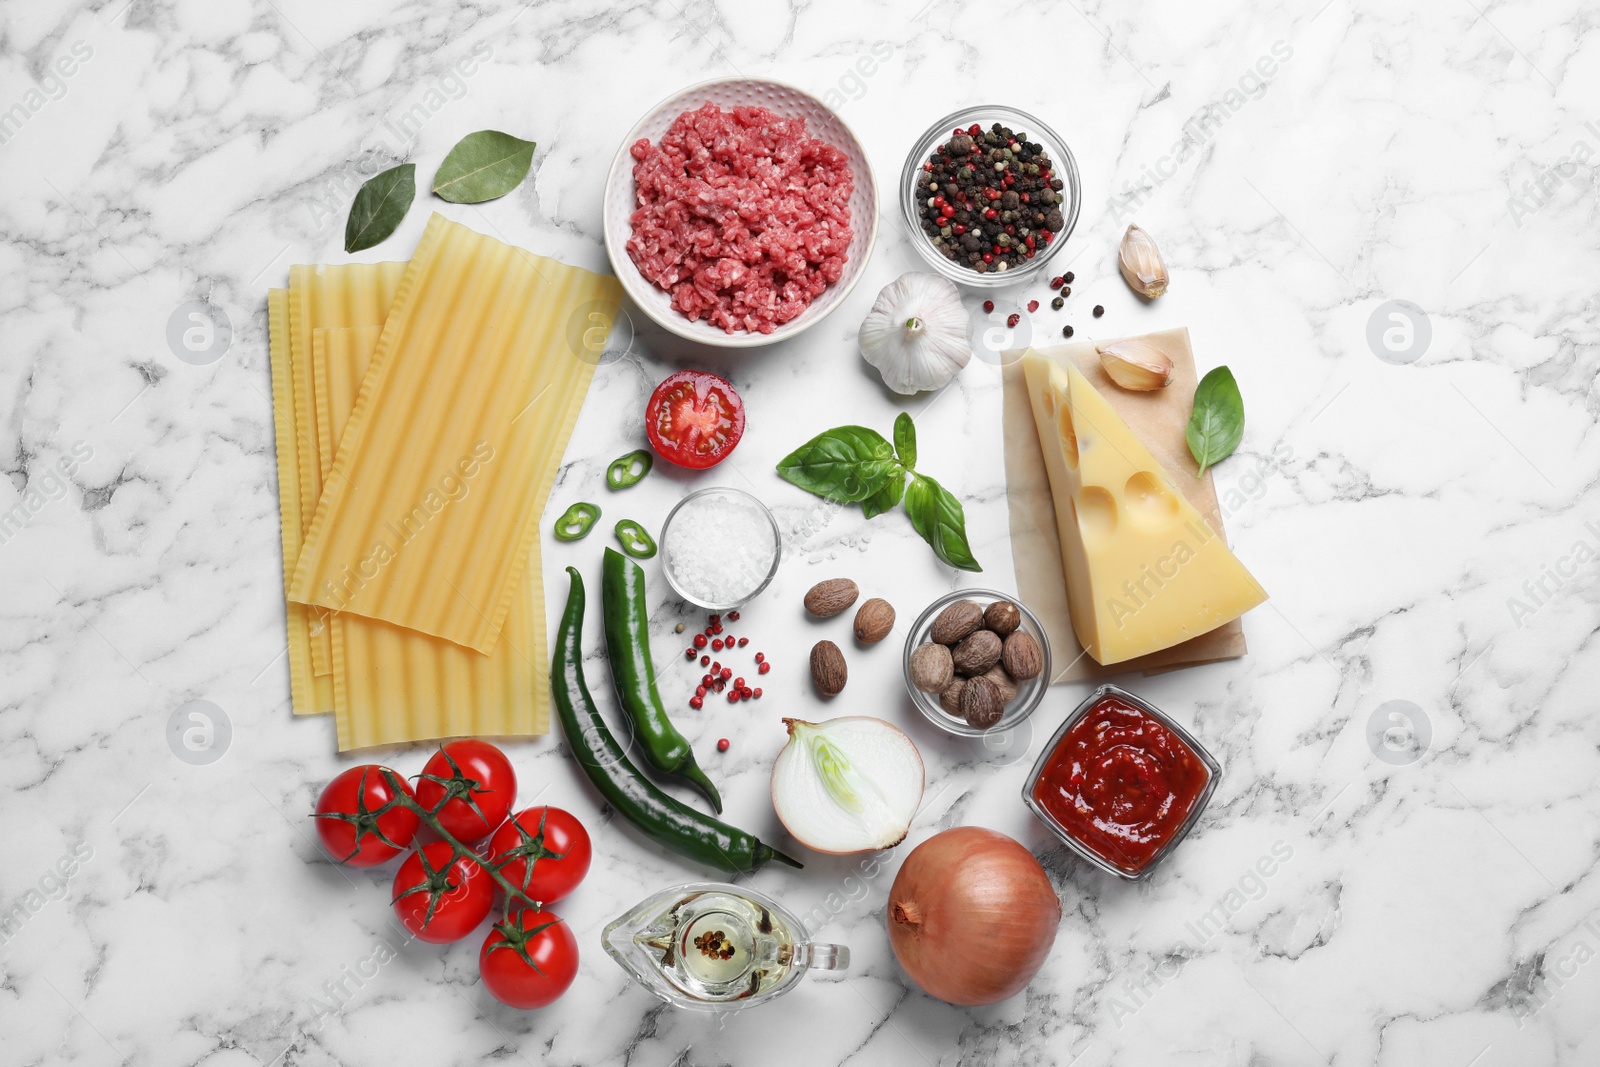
977, 662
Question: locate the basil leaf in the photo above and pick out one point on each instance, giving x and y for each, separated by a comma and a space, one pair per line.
847, 464
937, 516
1217, 424
886, 498
905, 440
482, 166
379, 206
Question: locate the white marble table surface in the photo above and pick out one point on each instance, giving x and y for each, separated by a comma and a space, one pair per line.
1428, 529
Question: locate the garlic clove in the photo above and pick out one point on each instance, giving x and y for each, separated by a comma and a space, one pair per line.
1141, 263
1137, 365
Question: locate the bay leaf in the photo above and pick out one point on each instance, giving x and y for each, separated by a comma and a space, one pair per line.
483, 166
379, 206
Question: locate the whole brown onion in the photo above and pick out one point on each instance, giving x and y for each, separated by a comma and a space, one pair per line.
972, 916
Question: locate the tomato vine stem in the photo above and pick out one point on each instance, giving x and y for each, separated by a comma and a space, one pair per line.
431, 820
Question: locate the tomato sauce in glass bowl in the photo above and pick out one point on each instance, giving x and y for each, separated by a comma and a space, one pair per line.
1121, 783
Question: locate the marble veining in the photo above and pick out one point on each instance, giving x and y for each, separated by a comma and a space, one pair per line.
1375, 883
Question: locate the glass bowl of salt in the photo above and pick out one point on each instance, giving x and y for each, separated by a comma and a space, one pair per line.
720, 548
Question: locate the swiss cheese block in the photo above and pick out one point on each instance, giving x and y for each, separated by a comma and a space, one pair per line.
1144, 570
429, 514
393, 685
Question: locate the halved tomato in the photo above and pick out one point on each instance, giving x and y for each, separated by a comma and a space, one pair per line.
694, 419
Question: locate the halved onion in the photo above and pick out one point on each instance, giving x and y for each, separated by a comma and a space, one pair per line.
850, 784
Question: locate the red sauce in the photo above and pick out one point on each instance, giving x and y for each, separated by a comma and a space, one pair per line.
1121, 783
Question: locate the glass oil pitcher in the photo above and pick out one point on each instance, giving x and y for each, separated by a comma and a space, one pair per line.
710, 946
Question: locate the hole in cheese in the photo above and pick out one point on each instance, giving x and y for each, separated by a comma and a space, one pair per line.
1097, 514
1149, 502
1069, 436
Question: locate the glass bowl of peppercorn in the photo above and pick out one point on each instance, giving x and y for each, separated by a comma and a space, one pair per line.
990, 194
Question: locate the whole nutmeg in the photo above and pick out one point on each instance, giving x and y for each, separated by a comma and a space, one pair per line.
829, 598
932, 669
1022, 656
1008, 688
956, 621
950, 699
827, 668
1002, 617
874, 621
981, 703
976, 653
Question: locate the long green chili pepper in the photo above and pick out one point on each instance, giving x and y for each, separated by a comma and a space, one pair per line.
635, 539
627, 617
630, 469
576, 522
664, 819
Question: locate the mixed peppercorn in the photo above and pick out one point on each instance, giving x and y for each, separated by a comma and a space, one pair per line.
989, 199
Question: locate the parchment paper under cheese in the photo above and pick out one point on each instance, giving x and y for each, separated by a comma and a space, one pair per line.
1159, 419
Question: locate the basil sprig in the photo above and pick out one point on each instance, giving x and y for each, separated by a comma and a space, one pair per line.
855, 465
1217, 424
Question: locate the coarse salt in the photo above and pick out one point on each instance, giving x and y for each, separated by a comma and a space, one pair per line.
720, 548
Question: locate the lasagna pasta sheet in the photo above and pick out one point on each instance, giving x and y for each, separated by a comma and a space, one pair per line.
393, 685
430, 511
320, 296
309, 695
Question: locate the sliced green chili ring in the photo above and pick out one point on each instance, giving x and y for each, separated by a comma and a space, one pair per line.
635, 539
630, 469
576, 522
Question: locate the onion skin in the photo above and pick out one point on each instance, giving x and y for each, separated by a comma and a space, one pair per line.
972, 916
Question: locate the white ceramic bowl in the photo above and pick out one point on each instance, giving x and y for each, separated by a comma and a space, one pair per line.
781, 99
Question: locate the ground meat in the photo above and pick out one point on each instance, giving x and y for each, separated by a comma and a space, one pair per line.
742, 217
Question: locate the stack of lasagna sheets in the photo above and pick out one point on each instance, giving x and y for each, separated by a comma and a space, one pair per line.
422, 410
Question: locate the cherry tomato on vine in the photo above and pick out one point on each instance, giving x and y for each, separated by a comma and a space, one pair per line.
359, 820
470, 786
439, 897
544, 851
529, 960
694, 419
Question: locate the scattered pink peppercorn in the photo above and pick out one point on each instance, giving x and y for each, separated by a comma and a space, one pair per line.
763, 668
697, 703
1033, 305
700, 640
1013, 319
722, 745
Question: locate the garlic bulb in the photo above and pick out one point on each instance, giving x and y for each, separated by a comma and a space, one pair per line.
916, 333
1141, 263
1136, 364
